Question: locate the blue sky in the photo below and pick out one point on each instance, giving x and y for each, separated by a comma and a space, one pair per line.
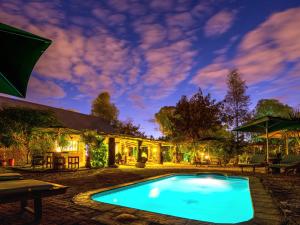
149, 53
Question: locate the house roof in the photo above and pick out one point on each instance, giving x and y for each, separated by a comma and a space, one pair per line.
68, 118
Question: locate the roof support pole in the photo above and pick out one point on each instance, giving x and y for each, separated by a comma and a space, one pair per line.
139, 151
111, 152
159, 154
286, 144
267, 140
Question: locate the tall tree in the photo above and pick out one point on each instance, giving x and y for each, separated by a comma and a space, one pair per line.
163, 117
236, 101
103, 108
272, 107
17, 125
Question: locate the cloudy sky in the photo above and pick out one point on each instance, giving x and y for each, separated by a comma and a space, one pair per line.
149, 53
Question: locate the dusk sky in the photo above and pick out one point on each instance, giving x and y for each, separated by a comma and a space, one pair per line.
149, 53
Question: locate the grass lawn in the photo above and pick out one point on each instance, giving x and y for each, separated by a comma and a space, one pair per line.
61, 210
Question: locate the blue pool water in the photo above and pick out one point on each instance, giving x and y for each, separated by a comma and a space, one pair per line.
211, 198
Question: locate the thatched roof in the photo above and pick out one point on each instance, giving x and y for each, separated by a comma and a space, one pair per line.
69, 119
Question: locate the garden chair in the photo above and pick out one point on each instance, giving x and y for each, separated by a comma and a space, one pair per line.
257, 160
289, 163
13, 188
37, 160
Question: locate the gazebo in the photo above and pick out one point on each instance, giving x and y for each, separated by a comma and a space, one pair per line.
268, 124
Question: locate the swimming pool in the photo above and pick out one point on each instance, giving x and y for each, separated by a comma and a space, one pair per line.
205, 197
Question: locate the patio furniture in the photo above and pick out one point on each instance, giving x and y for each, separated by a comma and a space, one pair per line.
37, 160
289, 163
73, 162
257, 160
10, 176
27, 189
59, 162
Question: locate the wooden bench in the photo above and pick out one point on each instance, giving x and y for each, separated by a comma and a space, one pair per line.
24, 190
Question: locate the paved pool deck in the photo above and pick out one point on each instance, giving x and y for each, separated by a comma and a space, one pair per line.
278, 200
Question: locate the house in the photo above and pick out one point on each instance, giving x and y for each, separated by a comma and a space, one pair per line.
128, 149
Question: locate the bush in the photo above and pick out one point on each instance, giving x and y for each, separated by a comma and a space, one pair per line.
98, 151
99, 156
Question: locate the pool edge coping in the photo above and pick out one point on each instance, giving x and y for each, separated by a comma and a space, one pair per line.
264, 207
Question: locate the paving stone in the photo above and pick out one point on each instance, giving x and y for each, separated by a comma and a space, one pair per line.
62, 209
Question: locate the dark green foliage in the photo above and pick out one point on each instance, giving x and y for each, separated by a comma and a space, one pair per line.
41, 143
17, 125
163, 118
272, 107
97, 149
128, 128
99, 155
236, 101
196, 118
103, 108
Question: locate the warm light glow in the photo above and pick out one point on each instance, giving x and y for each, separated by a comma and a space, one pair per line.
154, 193
58, 149
206, 157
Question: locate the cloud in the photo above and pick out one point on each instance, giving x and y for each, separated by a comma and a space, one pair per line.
219, 24
38, 88
128, 47
167, 67
213, 76
262, 56
166, 5
270, 48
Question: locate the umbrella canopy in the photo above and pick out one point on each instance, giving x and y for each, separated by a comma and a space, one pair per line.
269, 124
20, 50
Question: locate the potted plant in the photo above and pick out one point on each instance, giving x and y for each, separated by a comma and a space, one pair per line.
3, 163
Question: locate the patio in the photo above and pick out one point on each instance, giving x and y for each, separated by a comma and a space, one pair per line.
285, 193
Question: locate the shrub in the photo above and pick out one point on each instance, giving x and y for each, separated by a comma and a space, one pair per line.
99, 156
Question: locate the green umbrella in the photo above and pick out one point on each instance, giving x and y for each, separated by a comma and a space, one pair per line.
20, 50
269, 124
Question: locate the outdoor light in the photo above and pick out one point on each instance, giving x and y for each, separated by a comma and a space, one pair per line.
58, 149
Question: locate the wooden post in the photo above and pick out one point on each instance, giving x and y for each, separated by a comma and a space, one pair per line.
37, 208
159, 154
286, 144
139, 151
267, 139
111, 152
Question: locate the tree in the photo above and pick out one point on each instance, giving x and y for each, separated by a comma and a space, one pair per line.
272, 107
236, 101
102, 107
197, 118
128, 128
163, 117
17, 125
